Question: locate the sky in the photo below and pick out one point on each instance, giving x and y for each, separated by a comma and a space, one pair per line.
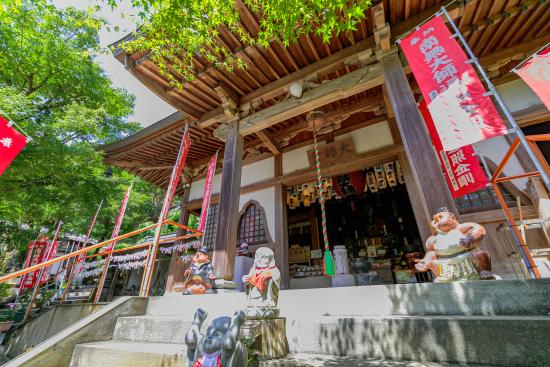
149, 108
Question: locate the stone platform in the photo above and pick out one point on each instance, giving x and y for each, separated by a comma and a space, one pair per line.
496, 323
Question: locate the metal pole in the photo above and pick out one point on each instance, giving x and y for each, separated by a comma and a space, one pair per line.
499, 100
41, 273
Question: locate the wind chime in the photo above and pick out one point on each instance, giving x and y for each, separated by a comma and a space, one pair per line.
317, 121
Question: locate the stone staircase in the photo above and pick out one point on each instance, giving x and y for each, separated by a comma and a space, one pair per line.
498, 323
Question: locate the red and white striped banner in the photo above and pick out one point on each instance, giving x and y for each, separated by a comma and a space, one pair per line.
463, 172
170, 192
120, 217
207, 193
463, 113
82, 257
51, 253
536, 73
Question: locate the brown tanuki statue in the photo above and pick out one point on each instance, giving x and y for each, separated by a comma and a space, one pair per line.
200, 274
453, 254
220, 346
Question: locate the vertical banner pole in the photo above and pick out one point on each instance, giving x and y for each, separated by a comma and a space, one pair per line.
207, 193
41, 273
111, 246
82, 256
499, 100
170, 192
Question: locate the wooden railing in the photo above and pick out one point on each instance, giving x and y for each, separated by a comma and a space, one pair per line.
73, 256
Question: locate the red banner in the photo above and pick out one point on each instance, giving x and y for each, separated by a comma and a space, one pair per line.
38, 254
23, 279
82, 257
454, 94
118, 223
51, 253
536, 73
11, 143
207, 193
463, 172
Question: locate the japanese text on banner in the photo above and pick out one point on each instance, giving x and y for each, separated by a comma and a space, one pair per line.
463, 172
463, 113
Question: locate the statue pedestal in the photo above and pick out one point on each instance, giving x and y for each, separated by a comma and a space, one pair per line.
270, 335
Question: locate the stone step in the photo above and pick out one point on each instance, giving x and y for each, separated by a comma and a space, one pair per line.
499, 297
124, 354
318, 360
498, 340
484, 340
151, 329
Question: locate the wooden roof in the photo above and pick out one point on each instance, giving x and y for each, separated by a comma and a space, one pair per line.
501, 33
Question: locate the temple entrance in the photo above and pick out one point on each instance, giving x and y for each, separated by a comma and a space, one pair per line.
369, 217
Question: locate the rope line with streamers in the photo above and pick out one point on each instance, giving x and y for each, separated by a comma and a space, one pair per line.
328, 261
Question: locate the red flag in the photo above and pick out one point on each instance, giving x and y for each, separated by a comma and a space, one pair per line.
207, 193
11, 143
82, 257
456, 98
38, 256
463, 172
30, 249
536, 73
121, 212
170, 192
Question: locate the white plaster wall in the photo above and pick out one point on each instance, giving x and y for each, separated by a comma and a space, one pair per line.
370, 138
258, 171
296, 160
365, 140
266, 198
495, 149
518, 96
251, 173
197, 187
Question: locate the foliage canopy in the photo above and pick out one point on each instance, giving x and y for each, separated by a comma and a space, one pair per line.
51, 86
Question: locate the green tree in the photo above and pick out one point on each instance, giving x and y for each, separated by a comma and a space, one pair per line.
51, 86
173, 31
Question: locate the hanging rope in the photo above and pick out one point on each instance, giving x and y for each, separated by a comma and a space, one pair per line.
328, 262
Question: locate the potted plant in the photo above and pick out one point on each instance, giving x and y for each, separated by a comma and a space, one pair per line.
6, 321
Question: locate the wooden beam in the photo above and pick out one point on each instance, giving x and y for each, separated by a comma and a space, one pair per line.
426, 169
343, 87
268, 142
280, 86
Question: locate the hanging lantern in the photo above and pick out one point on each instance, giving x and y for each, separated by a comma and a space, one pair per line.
371, 182
380, 177
349, 184
390, 174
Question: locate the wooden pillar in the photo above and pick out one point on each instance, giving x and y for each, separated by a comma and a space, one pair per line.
175, 272
281, 225
228, 209
418, 204
426, 169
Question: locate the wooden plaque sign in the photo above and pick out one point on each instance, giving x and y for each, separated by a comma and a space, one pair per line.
334, 153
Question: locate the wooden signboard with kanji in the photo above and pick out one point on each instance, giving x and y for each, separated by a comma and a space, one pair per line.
333, 153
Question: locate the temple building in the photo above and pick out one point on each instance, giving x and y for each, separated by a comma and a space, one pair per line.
383, 178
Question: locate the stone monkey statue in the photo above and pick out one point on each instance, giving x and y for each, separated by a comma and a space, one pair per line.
220, 346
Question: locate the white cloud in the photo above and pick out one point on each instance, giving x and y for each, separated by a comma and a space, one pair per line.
149, 108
